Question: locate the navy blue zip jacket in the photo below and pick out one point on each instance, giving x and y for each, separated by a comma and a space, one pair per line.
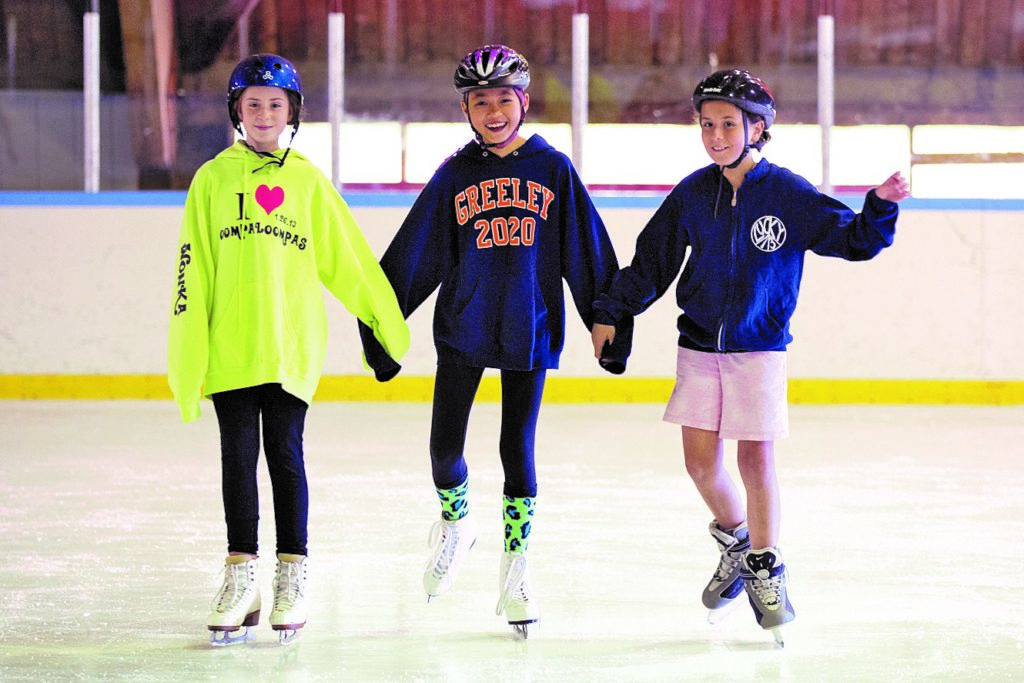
498, 235
740, 284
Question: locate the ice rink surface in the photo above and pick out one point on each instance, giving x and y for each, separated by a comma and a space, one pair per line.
902, 528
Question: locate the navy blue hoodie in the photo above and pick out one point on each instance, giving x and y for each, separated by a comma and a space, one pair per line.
740, 284
498, 235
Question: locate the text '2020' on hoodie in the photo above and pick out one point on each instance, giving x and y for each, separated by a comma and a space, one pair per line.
498, 235
259, 242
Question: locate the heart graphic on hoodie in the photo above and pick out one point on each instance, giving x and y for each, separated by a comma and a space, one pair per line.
269, 198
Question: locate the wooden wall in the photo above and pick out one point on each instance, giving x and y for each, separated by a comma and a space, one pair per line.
926, 33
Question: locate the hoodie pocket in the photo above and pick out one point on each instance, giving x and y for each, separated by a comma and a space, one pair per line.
502, 316
764, 320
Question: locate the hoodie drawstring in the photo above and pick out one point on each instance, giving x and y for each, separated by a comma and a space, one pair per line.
273, 159
721, 176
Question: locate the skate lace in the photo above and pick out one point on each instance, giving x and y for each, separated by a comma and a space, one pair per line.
726, 565
445, 539
289, 585
515, 588
768, 591
731, 549
235, 585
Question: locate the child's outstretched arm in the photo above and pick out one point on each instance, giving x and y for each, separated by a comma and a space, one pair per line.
894, 188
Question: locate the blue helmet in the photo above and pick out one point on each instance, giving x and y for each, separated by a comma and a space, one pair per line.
269, 70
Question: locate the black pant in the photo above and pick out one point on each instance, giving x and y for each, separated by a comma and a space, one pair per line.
454, 390
284, 417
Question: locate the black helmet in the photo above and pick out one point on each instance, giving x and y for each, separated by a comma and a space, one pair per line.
737, 87
264, 69
492, 66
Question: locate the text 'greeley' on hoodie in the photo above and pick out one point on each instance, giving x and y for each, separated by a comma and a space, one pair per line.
498, 235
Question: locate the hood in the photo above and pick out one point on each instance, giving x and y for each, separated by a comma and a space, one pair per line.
759, 171
535, 144
241, 151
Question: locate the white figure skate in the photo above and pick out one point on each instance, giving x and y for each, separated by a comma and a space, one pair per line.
451, 542
516, 600
236, 606
289, 612
726, 584
764, 579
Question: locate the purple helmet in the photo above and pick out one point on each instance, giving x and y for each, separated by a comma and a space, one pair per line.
269, 70
492, 66
737, 87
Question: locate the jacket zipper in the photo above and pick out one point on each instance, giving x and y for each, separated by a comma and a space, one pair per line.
720, 341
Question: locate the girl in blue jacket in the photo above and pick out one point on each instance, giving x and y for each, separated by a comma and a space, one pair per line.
498, 228
746, 224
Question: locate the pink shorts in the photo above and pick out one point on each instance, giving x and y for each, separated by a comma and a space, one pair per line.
741, 396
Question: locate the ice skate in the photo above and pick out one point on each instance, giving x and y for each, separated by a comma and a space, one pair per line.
236, 606
726, 584
451, 542
764, 579
289, 612
516, 600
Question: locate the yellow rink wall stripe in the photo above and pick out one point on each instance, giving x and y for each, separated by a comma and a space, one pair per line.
558, 389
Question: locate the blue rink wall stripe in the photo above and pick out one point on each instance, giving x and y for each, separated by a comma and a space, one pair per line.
386, 198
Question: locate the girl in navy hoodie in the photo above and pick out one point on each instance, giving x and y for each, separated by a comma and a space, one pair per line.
499, 226
746, 225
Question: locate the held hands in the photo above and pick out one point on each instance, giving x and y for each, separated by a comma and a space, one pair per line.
894, 188
601, 335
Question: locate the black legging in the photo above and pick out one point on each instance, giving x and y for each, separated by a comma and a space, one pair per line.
283, 417
454, 390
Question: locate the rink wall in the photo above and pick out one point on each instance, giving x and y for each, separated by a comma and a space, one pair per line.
937, 318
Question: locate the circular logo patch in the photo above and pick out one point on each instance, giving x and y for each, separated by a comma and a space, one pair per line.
768, 233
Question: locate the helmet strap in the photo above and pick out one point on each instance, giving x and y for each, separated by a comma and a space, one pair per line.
497, 145
746, 141
273, 159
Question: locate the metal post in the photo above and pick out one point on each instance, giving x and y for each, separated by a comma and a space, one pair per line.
390, 37
826, 89
243, 29
580, 83
91, 97
12, 41
336, 87
243, 36
488, 20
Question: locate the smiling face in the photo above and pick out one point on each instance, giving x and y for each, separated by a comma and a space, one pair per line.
721, 129
496, 113
264, 112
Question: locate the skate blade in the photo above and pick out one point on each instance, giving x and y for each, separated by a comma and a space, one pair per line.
287, 636
717, 616
520, 629
228, 638
777, 635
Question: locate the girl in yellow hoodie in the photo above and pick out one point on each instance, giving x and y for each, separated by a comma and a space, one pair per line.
264, 230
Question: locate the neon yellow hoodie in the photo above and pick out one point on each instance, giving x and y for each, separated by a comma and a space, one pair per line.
257, 241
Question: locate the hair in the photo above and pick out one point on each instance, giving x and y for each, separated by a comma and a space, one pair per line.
766, 136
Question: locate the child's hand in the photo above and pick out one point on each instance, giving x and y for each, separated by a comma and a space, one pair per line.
894, 188
600, 335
